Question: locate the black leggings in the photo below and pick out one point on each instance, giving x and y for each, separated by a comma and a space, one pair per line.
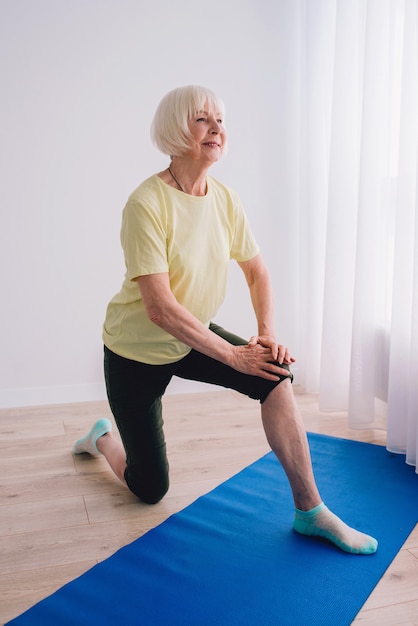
135, 390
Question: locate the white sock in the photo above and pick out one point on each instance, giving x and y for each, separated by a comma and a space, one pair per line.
88, 443
321, 522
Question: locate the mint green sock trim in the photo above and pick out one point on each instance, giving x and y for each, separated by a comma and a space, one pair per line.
305, 515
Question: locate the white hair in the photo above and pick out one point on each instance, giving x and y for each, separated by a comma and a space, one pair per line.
169, 130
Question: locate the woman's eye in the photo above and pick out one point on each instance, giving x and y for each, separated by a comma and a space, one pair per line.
200, 119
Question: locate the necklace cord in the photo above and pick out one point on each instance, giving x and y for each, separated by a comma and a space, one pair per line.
175, 180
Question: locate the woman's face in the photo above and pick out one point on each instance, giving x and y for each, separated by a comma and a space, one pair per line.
209, 135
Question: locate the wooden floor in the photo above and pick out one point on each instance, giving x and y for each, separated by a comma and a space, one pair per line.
60, 515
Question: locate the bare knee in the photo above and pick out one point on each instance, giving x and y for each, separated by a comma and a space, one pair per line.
283, 390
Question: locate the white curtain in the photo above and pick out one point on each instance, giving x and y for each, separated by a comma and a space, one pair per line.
359, 248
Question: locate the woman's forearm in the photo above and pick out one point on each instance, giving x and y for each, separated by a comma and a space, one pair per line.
261, 292
166, 312
263, 303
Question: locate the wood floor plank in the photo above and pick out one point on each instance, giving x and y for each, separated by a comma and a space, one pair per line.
414, 552
36, 466
21, 590
403, 614
24, 426
399, 583
42, 515
41, 549
27, 489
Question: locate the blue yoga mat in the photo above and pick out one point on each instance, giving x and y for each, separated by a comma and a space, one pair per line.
231, 557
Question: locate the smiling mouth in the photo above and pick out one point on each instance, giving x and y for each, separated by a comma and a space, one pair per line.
211, 144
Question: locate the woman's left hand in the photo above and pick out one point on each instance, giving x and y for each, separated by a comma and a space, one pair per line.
279, 352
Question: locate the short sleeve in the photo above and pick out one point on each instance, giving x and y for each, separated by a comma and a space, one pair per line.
244, 245
143, 238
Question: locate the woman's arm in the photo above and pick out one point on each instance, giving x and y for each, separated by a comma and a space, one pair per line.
261, 291
164, 310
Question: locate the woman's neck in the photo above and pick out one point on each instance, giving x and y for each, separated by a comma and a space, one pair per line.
188, 179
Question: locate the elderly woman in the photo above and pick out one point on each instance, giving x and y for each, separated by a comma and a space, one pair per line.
180, 229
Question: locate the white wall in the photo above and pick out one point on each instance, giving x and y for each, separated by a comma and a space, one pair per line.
80, 82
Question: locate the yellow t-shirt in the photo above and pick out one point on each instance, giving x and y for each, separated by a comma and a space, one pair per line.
190, 237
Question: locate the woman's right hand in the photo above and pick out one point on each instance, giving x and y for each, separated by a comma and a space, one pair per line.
256, 360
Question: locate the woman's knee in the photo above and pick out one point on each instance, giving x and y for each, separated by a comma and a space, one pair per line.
149, 489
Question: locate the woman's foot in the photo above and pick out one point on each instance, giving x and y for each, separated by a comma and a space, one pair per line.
320, 522
87, 444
